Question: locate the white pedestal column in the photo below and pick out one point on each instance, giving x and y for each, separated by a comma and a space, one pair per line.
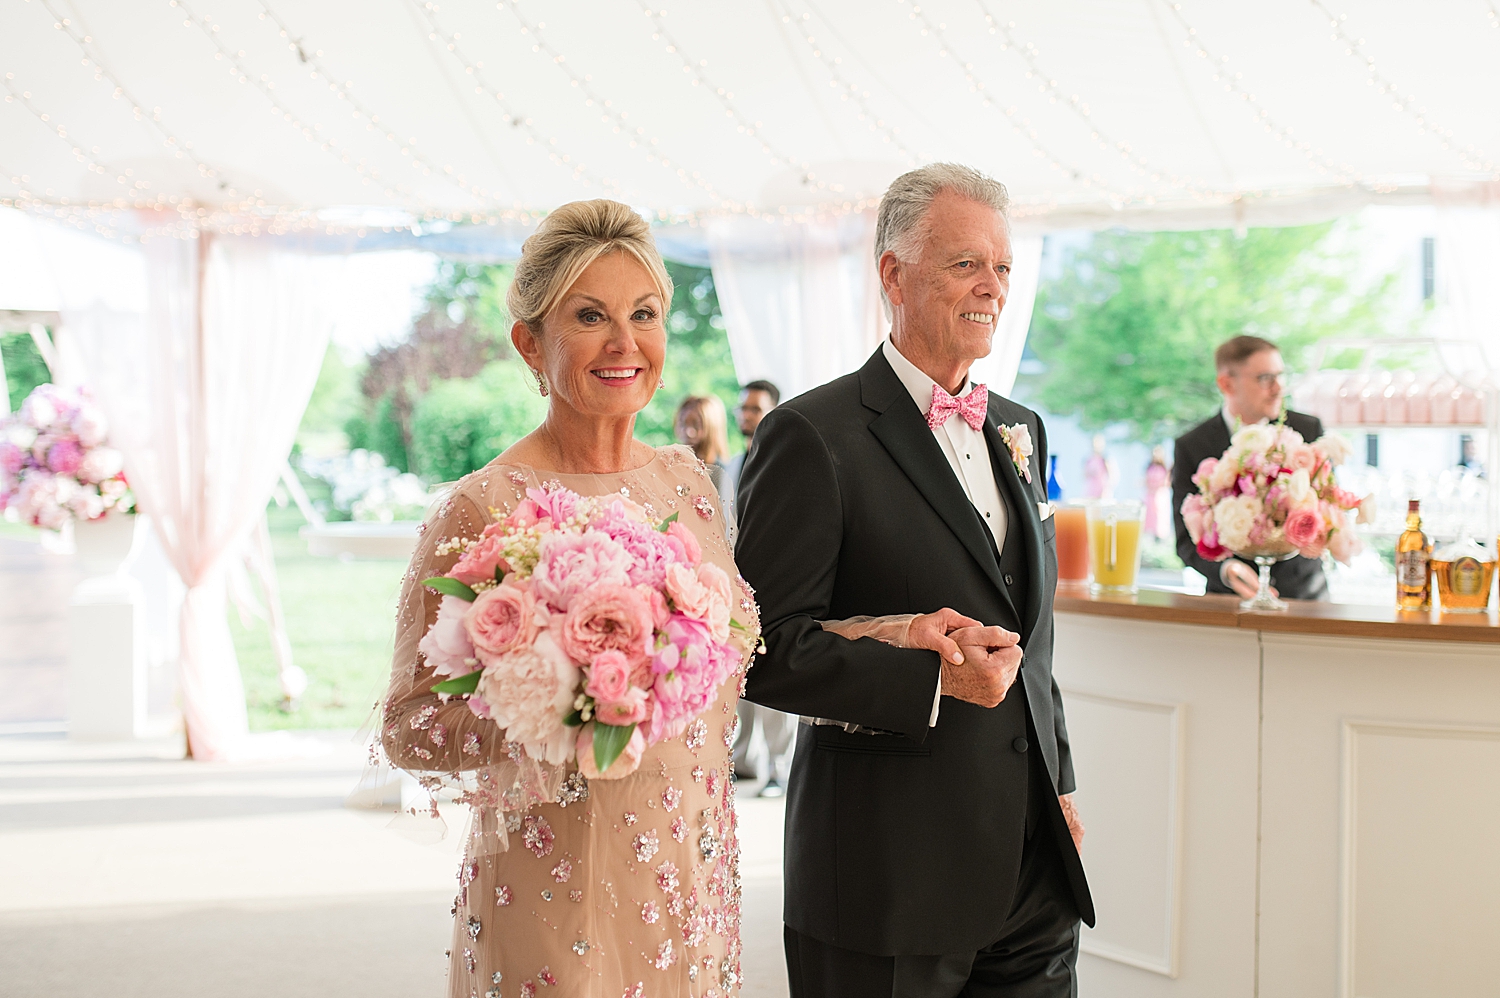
106, 655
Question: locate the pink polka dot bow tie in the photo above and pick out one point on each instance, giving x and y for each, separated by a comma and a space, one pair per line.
971, 407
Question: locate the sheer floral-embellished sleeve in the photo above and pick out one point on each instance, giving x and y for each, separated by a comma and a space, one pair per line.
891, 629
420, 732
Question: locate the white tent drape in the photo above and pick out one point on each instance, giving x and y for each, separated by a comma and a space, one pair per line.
204, 389
801, 300
1467, 244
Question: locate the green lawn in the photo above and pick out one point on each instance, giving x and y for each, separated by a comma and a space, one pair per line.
340, 617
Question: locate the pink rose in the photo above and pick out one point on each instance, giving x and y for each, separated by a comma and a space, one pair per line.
1209, 547
480, 563
686, 546
1302, 456
569, 563
631, 708
65, 456
526, 514
623, 766
609, 676
446, 644
687, 591
1305, 529
606, 616
1205, 472
502, 619
1195, 515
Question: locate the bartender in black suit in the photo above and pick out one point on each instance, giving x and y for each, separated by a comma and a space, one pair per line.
1252, 379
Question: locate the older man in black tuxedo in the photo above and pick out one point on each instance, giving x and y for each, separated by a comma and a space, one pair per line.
931, 840
1252, 378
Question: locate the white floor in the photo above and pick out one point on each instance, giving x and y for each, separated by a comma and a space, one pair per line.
126, 872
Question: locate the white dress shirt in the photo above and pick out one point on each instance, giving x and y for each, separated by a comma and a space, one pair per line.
967, 453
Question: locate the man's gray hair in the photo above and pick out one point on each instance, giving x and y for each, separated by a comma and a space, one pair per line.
899, 227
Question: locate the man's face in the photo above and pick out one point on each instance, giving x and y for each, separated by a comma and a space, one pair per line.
754, 405
952, 295
1253, 389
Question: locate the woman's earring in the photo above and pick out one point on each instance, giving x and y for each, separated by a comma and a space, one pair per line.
661, 382
541, 382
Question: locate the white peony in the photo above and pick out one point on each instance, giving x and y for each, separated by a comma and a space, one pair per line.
99, 464
1257, 437
1234, 518
1225, 473
1299, 490
529, 692
1334, 447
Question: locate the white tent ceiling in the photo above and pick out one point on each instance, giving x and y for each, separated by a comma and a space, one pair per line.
1090, 110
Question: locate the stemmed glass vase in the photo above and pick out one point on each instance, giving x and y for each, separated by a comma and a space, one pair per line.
1264, 599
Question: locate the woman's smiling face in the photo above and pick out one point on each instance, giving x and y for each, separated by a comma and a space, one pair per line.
602, 348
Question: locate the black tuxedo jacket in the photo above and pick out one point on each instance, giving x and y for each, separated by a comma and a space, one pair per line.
908, 842
1295, 578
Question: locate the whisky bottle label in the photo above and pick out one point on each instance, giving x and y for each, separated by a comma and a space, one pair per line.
1467, 577
1411, 569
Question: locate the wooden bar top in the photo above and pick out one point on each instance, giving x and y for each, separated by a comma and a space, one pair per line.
1331, 619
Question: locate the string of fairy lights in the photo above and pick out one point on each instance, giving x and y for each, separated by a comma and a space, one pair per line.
841, 85
1046, 84
1233, 84
1401, 101
240, 210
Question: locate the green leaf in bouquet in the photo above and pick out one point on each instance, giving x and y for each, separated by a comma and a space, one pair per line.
667, 523
609, 741
499, 575
574, 719
451, 587
736, 625
459, 684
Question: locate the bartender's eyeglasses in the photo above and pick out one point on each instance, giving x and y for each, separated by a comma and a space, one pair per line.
1270, 378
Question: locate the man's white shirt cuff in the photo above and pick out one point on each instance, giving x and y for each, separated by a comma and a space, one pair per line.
937, 698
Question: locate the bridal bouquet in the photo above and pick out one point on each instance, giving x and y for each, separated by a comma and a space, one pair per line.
1272, 494
54, 465
583, 628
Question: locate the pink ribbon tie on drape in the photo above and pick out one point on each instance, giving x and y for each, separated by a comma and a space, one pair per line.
971, 407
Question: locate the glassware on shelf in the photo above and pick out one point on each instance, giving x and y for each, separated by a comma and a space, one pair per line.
1395, 410
1372, 398
1351, 407
1115, 544
1443, 396
1419, 402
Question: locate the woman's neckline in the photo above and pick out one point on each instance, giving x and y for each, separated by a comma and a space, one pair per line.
656, 455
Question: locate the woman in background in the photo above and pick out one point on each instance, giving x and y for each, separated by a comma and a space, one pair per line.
703, 425
1158, 490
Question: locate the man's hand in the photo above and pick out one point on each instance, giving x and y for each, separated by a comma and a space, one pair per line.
1075, 824
1241, 578
992, 659
931, 630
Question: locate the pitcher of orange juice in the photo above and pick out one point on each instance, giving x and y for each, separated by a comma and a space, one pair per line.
1115, 545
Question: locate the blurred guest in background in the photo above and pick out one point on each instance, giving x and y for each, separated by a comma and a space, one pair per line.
702, 425
1252, 379
1158, 495
1100, 472
756, 399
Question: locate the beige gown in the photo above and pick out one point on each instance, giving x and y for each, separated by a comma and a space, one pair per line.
624, 888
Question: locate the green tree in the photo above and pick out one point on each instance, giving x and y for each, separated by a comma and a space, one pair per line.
698, 358
1127, 333
462, 423
334, 404
24, 367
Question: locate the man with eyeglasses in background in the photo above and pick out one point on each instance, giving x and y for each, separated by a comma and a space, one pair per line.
1252, 379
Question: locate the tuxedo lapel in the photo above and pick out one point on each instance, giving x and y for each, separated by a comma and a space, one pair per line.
904, 433
1026, 528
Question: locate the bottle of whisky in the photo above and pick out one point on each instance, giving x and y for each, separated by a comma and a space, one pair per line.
1465, 573
1413, 563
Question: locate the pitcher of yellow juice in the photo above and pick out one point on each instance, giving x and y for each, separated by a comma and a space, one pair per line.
1115, 545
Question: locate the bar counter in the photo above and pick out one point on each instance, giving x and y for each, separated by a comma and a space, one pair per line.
1302, 803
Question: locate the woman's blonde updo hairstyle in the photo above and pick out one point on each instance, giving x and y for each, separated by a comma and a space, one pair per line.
563, 246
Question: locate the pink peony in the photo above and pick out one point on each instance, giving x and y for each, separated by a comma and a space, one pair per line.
1195, 515
526, 514
502, 619
1305, 529
446, 644
647, 547
481, 561
609, 676
1209, 547
11, 458
89, 426
529, 691
65, 456
684, 544
1205, 472
631, 708
623, 766
1343, 543
605, 616
558, 504
569, 563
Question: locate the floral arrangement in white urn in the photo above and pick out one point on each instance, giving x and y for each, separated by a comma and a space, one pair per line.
56, 464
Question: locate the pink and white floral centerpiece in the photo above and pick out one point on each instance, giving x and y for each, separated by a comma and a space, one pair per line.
583, 629
1272, 495
55, 464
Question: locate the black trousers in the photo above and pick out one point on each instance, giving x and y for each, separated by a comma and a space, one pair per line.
1035, 955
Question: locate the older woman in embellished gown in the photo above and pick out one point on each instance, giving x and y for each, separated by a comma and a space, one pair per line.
621, 887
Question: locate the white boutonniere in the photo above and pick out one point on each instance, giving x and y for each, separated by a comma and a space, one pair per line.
1018, 439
